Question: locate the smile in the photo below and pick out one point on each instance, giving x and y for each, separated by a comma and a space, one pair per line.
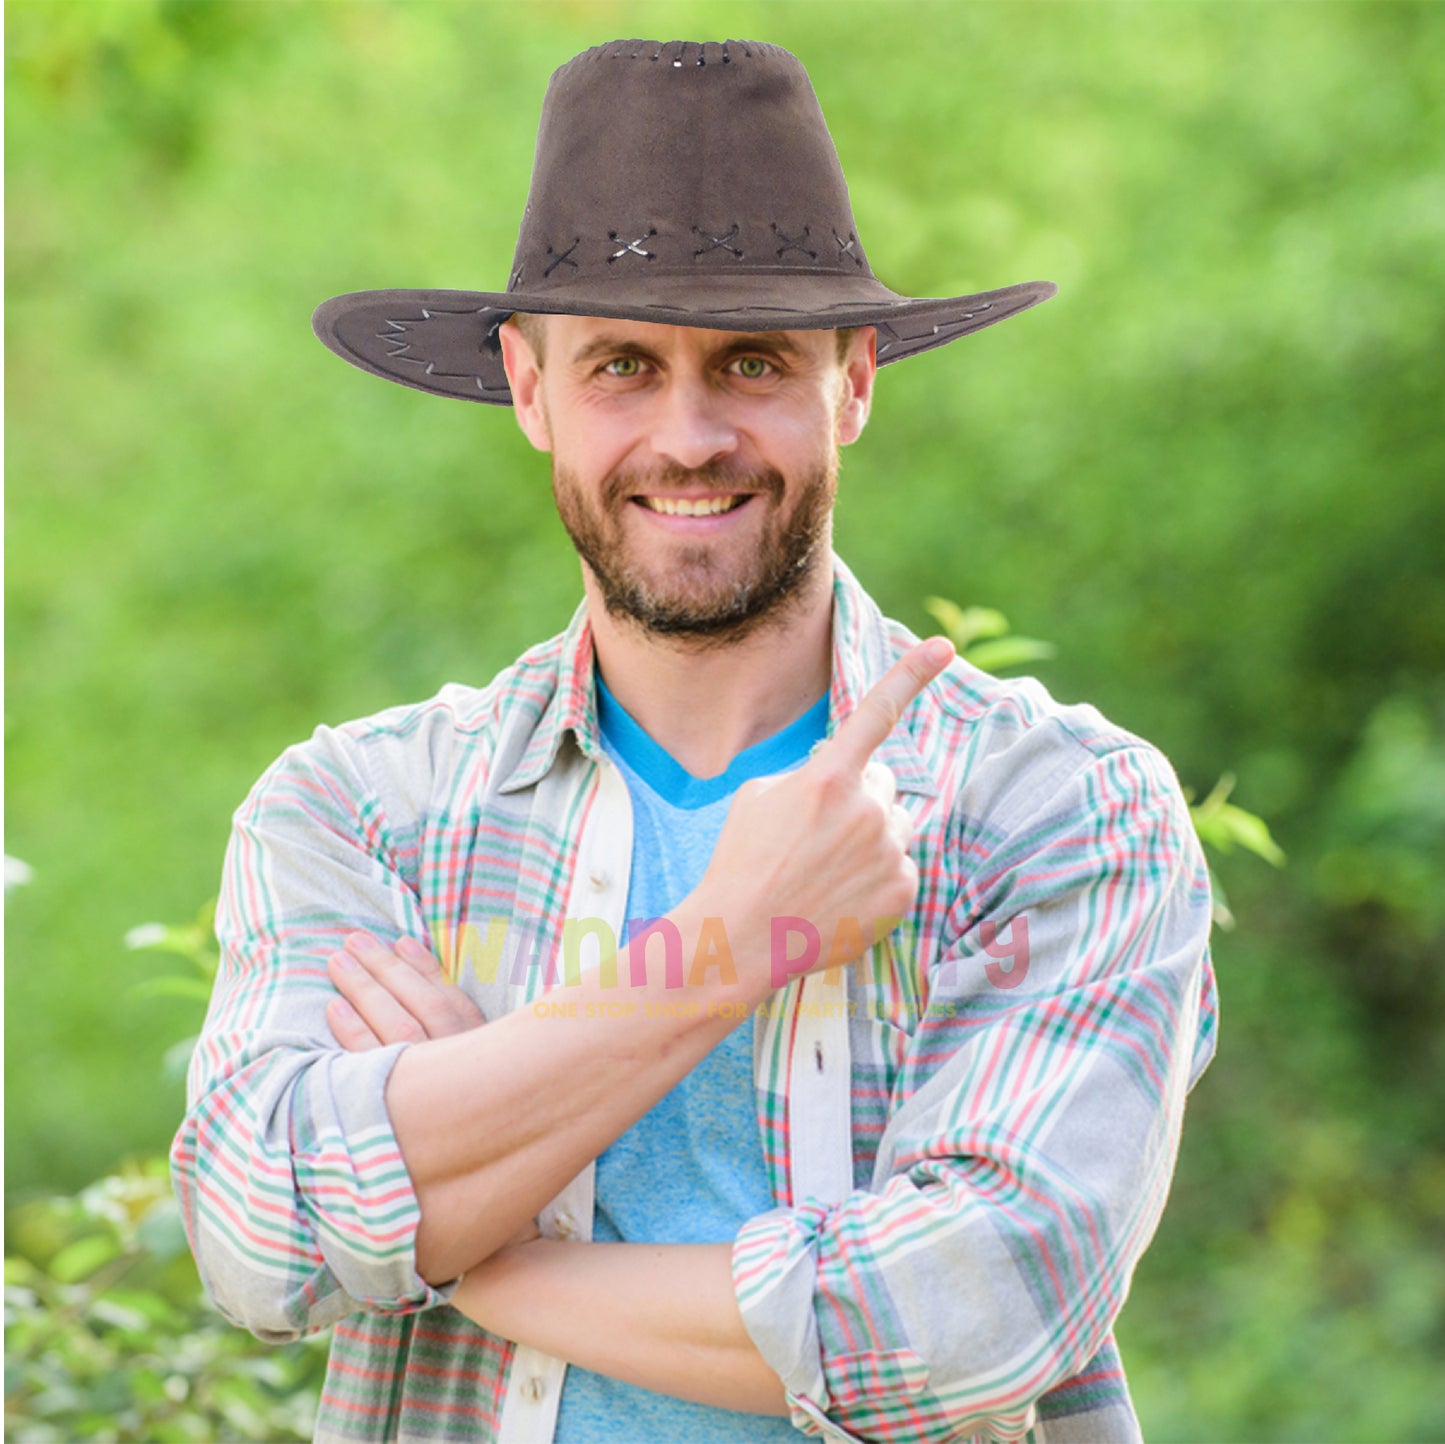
692, 506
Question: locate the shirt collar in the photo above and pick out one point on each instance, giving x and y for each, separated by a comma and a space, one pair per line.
865, 645
564, 669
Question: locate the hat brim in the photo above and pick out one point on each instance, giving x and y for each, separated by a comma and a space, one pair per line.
445, 342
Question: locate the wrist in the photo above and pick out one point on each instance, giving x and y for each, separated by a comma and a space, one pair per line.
726, 949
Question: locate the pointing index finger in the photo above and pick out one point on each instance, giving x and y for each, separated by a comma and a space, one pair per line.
878, 713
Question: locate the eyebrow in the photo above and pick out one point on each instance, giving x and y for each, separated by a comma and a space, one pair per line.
776, 342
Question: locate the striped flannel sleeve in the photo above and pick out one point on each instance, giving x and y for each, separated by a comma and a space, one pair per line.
1025, 1168
296, 1201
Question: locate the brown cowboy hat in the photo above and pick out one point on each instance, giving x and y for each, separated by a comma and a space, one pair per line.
683, 183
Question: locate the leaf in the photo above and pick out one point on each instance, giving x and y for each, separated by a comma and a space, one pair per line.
160, 937
949, 615
151, 1306
78, 1260
1252, 834
176, 1061
17, 872
1005, 652
161, 1232
172, 987
965, 626
20, 1272
105, 1310
1219, 910
1223, 826
147, 935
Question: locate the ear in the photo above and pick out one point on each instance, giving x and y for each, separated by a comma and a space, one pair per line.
859, 367
524, 377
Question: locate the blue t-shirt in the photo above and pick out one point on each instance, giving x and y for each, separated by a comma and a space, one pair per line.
691, 1170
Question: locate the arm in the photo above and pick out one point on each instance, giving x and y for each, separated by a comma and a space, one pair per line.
488, 1136
1031, 1138
683, 1336
314, 1180
291, 1184
1016, 1187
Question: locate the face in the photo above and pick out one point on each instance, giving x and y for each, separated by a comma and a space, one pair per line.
694, 470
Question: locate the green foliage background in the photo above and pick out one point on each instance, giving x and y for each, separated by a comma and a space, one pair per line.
1211, 472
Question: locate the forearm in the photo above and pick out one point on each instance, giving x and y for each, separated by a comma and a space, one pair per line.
662, 1316
290, 1223
494, 1122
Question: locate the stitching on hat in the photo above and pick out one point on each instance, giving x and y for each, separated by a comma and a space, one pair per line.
633, 248
792, 244
928, 335
396, 341
717, 243
561, 256
845, 248
881, 327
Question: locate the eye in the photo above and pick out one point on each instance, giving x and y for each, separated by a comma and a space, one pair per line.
751, 368
624, 367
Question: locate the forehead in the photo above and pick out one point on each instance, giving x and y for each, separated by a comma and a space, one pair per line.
569, 336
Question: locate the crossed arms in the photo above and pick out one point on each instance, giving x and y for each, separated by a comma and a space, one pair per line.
487, 1142
1013, 1165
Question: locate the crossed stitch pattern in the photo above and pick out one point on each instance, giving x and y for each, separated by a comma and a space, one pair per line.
632, 248
560, 256
717, 243
847, 248
791, 243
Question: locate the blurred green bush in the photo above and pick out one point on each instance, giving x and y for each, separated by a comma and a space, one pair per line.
1211, 472
108, 1335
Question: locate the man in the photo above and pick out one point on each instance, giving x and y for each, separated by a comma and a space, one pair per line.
737, 1020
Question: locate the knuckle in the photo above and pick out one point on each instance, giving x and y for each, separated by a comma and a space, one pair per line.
462, 1016
834, 784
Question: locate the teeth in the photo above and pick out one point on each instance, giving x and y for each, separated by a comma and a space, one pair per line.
682, 506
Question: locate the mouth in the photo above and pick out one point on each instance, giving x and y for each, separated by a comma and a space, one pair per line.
718, 505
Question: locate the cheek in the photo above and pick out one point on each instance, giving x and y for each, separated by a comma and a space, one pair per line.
810, 432
594, 437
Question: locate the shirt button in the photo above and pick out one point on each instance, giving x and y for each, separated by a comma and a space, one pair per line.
564, 1225
535, 1389
599, 877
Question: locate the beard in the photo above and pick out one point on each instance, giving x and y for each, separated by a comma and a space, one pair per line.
697, 595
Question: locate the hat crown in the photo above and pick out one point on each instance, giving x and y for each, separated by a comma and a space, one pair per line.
678, 184
657, 158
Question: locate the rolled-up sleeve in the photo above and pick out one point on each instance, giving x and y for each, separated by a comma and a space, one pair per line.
1033, 1127
292, 1185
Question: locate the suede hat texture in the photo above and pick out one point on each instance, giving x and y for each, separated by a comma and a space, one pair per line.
683, 183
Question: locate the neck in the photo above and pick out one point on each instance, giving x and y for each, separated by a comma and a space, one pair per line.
705, 703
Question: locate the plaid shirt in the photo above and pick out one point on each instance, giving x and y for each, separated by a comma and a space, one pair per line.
969, 1135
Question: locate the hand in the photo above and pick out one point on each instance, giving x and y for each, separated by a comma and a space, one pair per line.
825, 842
393, 996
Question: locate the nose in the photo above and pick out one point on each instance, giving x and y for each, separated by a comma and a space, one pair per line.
692, 426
